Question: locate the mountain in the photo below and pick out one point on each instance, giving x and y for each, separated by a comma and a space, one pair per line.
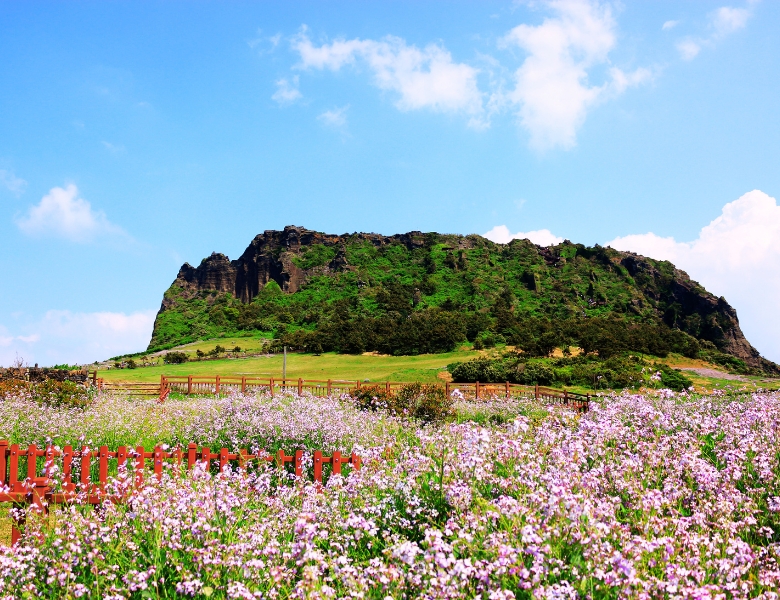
427, 292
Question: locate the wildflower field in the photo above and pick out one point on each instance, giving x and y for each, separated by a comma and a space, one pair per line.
645, 496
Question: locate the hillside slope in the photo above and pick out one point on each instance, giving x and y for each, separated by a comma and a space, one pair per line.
425, 292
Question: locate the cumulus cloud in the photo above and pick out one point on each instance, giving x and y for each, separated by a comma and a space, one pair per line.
541, 237
552, 90
336, 117
669, 25
11, 182
721, 22
736, 256
61, 336
287, 90
420, 78
62, 213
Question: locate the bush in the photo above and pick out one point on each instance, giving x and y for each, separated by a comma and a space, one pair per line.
428, 403
61, 393
175, 358
12, 387
673, 378
535, 373
485, 370
373, 397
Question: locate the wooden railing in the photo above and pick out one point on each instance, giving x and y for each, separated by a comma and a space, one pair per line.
32, 483
220, 384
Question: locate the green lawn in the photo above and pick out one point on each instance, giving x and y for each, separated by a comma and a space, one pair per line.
424, 367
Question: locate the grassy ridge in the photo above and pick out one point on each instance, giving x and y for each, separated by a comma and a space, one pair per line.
441, 291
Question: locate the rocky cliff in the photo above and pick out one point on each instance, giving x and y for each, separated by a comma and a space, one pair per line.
568, 281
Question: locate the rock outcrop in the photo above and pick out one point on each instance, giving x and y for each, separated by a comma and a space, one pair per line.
649, 289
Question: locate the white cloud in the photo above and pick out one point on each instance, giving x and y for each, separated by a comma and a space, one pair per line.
688, 49
62, 213
336, 117
722, 22
669, 25
427, 78
552, 90
287, 90
61, 336
726, 20
541, 237
11, 182
736, 256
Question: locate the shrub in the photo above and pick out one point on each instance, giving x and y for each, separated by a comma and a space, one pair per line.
131, 364
174, 358
673, 378
12, 387
428, 403
61, 393
373, 397
536, 373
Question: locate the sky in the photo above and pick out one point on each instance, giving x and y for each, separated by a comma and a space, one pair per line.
135, 136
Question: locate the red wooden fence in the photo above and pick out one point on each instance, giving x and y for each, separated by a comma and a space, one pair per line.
30, 488
218, 384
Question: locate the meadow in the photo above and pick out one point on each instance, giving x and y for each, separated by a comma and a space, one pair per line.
373, 367
649, 495
329, 365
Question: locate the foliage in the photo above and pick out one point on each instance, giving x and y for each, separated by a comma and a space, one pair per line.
428, 403
174, 358
616, 372
61, 393
408, 299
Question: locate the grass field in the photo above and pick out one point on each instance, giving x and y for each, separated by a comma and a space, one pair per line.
424, 367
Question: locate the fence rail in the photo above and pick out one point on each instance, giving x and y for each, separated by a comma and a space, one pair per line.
218, 384
32, 484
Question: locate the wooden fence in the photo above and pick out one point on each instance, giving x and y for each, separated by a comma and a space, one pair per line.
218, 384
32, 484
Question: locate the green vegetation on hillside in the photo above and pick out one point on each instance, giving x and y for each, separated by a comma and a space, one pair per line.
399, 300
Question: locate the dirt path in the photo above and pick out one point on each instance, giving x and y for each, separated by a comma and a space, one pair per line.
704, 372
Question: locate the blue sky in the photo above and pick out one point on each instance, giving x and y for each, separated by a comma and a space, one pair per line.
137, 136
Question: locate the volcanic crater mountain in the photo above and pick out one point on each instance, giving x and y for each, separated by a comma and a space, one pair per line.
426, 292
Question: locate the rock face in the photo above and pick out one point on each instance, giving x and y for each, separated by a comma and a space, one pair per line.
269, 257
657, 290
692, 307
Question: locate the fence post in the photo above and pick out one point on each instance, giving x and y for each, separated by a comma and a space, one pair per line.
358, 384
318, 468
3, 468
216, 387
189, 385
102, 467
223, 459
86, 459
192, 454
536, 391
476, 391
329, 386
387, 387
300, 386
243, 384
447, 389
507, 390
271, 386
335, 463
139, 466
298, 463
